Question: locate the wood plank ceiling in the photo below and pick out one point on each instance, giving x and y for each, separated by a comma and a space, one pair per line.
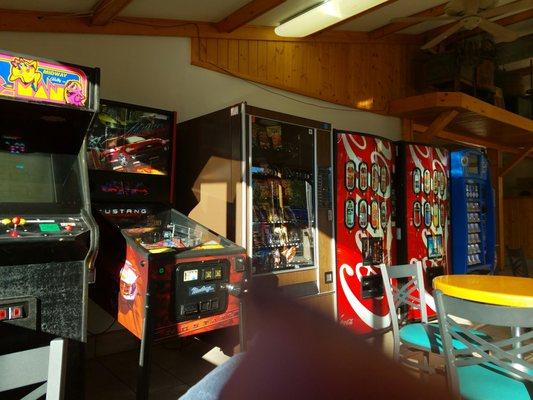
363, 62
229, 15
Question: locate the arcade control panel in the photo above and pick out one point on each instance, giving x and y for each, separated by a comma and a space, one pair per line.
35, 227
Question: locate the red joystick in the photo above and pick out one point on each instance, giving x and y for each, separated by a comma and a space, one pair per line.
14, 234
69, 227
15, 220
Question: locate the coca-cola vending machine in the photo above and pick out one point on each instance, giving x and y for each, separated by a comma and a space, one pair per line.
365, 228
423, 211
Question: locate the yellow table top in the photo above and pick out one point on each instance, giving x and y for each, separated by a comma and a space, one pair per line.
500, 290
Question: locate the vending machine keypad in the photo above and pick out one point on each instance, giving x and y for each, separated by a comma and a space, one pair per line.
475, 217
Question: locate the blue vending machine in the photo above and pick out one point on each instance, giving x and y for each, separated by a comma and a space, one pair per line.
473, 224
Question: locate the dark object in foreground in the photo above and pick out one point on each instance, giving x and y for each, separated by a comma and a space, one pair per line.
299, 354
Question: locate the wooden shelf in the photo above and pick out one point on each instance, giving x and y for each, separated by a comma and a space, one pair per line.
467, 117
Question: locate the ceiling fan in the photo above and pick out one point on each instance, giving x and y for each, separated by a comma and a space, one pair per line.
471, 14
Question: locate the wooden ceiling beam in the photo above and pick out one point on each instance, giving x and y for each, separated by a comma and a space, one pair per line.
53, 22
524, 71
519, 157
509, 20
246, 14
106, 10
467, 140
394, 27
440, 123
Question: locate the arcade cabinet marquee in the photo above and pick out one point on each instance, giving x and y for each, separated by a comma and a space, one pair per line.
48, 237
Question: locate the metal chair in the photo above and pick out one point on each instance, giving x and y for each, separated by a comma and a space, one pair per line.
415, 336
419, 336
518, 261
481, 369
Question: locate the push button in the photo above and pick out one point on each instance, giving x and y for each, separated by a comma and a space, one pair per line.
208, 274
16, 312
4, 314
205, 306
190, 309
218, 273
240, 264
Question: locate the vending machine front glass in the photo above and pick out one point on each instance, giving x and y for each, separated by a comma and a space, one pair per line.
473, 225
283, 196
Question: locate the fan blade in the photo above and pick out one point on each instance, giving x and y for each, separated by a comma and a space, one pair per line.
443, 36
422, 19
513, 7
471, 7
500, 33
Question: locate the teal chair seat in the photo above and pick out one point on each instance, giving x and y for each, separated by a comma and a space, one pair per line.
490, 382
427, 336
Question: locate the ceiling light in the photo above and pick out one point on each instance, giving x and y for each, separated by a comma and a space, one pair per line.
323, 15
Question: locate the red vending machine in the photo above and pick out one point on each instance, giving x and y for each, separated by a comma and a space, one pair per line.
365, 228
423, 211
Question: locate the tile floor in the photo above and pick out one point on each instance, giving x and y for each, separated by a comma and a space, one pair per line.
175, 367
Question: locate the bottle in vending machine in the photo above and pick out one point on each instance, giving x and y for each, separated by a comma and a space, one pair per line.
349, 219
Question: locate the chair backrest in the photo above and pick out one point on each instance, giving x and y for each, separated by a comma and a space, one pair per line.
508, 354
408, 291
518, 261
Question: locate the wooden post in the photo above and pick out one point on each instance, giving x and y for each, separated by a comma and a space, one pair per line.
496, 163
407, 130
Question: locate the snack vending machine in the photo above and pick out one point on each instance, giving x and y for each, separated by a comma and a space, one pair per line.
473, 225
423, 211
365, 228
263, 179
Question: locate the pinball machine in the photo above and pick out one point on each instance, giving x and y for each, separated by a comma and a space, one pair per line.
48, 238
160, 273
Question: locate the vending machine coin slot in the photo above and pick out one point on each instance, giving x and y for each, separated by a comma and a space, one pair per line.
371, 286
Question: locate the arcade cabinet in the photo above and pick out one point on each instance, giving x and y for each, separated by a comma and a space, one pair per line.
473, 220
160, 274
423, 212
365, 228
48, 239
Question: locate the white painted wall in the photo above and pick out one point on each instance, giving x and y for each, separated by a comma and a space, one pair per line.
156, 72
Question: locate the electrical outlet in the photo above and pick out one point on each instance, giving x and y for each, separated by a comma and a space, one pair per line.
328, 277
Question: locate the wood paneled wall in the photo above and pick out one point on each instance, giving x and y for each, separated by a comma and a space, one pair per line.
361, 75
518, 216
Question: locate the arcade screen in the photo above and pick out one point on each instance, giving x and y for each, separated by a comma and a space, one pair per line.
26, 178
126, 138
